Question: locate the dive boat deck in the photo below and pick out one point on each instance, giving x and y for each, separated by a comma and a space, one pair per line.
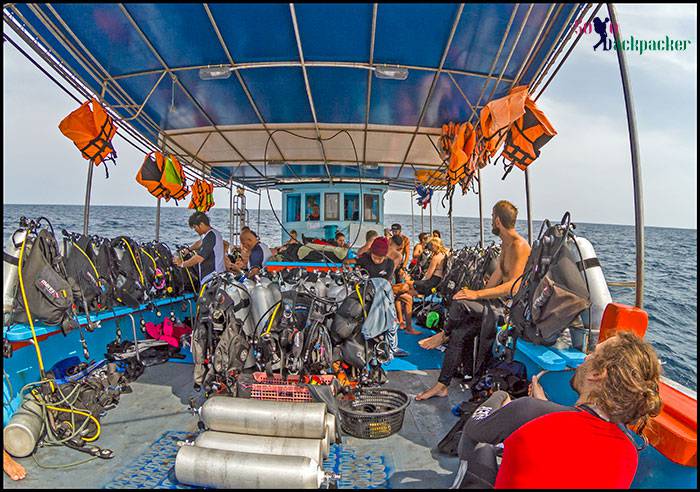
158, 404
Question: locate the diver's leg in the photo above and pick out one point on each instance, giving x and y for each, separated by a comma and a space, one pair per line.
13, 469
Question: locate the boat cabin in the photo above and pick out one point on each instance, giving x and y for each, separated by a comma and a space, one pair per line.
320, 210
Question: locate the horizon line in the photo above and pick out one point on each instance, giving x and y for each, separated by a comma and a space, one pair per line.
407, 215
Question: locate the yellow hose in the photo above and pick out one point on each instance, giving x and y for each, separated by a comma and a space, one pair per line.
97, 274
272, 318
135, 262
68, 410
362, 302
188, 274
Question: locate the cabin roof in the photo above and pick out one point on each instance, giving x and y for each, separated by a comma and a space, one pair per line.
311, 69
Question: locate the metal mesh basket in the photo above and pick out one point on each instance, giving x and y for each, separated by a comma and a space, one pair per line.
374, 413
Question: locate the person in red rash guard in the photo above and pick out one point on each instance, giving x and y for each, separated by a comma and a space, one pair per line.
547, 445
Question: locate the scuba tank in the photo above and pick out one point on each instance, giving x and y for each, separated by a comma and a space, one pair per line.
584, 256
261, 300
322, 284
243, 314
9, 272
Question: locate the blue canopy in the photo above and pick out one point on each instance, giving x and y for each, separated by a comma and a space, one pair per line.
257, 93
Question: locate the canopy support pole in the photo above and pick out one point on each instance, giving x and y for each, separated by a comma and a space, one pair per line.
481, 210
452, 232
422, 225
431, 217
86, 208
259, 199
413, 228
529, 207
230, 215
158, 221
636, 167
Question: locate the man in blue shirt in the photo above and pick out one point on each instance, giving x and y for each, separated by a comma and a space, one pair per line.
258, 253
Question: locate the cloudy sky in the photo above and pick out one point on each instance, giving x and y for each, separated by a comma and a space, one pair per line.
585, 169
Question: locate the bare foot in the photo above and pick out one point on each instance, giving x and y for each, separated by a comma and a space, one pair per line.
14, 470
433, 342
439, 390
412, 331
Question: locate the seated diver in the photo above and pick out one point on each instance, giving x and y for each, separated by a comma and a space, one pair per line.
258, 254
468, 306
431, 279
545, 444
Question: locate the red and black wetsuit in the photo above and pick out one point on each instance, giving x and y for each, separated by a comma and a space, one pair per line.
546, 445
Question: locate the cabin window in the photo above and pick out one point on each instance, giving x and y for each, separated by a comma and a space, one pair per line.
371, 208
313, 206
352, 206
293, 208
330, 206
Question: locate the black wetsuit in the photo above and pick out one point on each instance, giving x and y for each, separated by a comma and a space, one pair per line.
383, 270
491, 424
464, 323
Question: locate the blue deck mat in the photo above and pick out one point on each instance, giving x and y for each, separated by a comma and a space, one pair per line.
155, 469
418, 358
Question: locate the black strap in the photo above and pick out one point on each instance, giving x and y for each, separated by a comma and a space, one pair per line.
10, 259
588, 263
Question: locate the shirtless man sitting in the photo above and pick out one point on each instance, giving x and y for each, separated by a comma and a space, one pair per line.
468, 306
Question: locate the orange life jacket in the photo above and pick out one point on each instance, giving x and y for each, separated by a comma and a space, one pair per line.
526, 137
202, 196
497, 116
462, 156
163, 176
92, 131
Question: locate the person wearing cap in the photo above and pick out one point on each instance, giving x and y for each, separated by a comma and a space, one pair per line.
375, 261
378, 265
405, 248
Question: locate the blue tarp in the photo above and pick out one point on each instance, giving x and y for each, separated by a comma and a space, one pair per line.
132, 44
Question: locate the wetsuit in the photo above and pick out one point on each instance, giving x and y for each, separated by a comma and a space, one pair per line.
464, 323
384, 269
545, 446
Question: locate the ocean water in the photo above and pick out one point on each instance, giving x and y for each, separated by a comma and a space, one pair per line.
670, 292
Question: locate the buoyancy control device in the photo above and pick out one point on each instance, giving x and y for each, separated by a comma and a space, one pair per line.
552, 291
43, 280
93, 293
220, 346
129, 281
10, 282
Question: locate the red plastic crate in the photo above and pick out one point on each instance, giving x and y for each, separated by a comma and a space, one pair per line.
278, 389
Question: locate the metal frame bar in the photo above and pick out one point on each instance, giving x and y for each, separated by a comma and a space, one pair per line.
554, 45
491, 70
88, 189
308, 63
445, 52
529, 207
636, 167
158, 220
375, 7
160, 59
293, 162
532, 53
566, 56
244, 86
330, 127
292, 12
140, 108
45, 52
481, 209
